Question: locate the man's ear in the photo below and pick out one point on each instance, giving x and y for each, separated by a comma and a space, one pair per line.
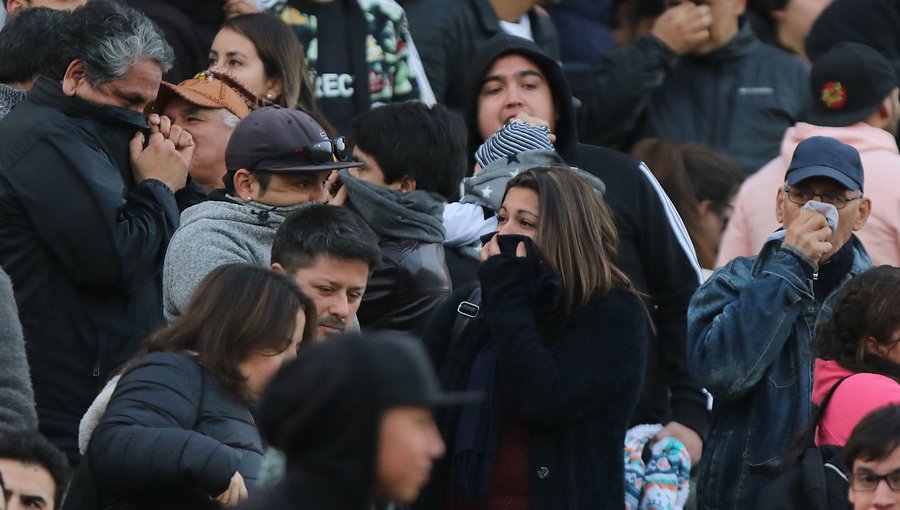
779, 207
865, 208
14, 6
244, 184
74, 76
407, 183
278, 267
740, 6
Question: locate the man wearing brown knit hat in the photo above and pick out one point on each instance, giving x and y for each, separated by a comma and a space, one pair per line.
208, 106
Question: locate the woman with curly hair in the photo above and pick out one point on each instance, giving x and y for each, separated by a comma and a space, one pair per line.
858, 347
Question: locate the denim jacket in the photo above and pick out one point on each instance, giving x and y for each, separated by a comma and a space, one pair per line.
750, 329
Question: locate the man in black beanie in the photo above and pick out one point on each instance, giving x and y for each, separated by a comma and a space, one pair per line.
353, 416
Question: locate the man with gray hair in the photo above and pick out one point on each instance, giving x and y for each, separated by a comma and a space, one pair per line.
88, 207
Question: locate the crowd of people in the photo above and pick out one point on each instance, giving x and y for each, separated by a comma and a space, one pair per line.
449, 254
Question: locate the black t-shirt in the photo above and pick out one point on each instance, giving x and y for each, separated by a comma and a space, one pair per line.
334, 80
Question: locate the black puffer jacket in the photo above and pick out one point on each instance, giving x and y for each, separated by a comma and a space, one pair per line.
171, 438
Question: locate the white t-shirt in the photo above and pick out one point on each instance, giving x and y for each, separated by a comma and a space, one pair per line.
520, 29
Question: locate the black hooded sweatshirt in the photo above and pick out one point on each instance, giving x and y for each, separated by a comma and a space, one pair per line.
655, 250
323, 413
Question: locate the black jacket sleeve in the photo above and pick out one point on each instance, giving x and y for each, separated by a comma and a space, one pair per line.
146, 438
107, 242
618, 89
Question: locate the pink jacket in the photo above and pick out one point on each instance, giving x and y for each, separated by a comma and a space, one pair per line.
854, 399
753, 219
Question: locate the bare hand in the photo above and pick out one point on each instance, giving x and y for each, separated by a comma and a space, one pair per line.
683, 27
167, 155
809, 234
688, 437
492, 248
237, 7
235, 493
337, 192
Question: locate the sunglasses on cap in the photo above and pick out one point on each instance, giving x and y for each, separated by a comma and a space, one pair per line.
321, 153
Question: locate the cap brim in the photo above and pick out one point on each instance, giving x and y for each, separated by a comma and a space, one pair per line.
311, 168
804, 173
826, 118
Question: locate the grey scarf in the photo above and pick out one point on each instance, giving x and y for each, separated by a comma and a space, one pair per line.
415, 215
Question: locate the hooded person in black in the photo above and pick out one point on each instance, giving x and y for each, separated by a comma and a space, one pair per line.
329, 412
654, 251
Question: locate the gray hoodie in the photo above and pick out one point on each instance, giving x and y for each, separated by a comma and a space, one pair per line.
212, 234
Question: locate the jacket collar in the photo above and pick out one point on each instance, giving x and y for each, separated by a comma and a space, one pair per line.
741, 44
860, 262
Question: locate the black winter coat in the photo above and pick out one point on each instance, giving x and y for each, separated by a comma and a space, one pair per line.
83, 244
171, 438
574, 385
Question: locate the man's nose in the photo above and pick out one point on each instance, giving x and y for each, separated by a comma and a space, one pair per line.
339, 306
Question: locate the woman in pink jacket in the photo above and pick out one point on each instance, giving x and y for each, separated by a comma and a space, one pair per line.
860, 348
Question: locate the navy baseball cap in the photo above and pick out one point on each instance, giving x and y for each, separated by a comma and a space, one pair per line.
822, 156
849, 83
273, 139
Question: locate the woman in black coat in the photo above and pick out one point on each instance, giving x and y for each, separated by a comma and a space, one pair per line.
177, 432
557, 346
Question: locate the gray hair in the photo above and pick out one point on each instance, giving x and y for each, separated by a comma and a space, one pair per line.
110, 38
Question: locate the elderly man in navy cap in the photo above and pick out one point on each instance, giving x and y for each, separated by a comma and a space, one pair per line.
750, 326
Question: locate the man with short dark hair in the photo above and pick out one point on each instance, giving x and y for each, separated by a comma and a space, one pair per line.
24, 53
35, 472
277, 161
330, 252
751, 325
87, 197
873, 455
413, 158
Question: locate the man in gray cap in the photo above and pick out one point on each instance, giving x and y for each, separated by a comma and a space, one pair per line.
856, 102
353, 416
277, 160
750, 326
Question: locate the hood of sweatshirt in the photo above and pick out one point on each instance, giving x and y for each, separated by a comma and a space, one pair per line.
826, 374
502, 45
863, 137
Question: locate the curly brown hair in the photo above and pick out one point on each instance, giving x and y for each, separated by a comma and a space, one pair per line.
867, 307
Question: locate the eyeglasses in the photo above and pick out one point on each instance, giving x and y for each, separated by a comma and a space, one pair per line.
801, 196
867, 482
320, 153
